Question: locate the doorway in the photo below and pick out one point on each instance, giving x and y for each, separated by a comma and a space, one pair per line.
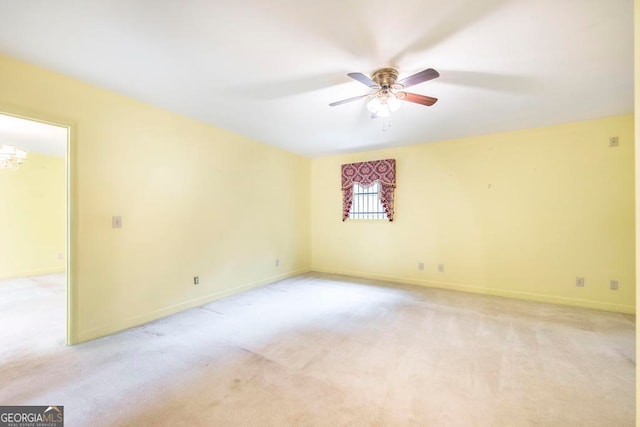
34, 225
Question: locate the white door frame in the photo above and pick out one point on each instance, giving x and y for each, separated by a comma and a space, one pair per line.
14, 111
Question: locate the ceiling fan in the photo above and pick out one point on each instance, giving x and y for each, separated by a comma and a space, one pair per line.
387, 91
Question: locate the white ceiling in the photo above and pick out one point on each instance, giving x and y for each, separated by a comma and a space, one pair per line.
32, 136
269, 69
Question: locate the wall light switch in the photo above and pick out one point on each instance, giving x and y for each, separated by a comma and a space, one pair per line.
614, 285
421, 266
580, 282
441, 268
116, 222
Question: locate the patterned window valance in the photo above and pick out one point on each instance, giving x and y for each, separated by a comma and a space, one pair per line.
365, 174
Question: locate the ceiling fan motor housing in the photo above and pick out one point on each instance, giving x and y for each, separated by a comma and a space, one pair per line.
385, 77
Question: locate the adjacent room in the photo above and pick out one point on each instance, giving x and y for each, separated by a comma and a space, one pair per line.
33, 226
339, 213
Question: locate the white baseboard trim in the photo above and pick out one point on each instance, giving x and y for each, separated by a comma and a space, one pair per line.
131, 322
41, 272
529, 296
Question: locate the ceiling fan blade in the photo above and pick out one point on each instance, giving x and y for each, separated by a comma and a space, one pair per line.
420, 77
362, 79
344, 101
419, 99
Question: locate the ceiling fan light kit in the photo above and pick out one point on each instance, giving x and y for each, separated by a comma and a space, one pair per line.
387, 91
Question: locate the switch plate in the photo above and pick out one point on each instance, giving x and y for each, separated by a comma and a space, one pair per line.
277, 262
614, 285
580, 282
613, 141
421, 266
441, 268
116, 222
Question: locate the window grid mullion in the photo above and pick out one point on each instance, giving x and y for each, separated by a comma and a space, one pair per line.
366, 202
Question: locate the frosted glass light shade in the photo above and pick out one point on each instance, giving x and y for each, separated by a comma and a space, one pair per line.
383, 110
394, 103
374, 104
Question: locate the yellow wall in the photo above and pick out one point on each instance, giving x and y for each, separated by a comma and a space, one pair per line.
194, 200
32, 217
636, 26
517, 214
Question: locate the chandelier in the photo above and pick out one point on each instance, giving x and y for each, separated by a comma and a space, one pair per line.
11, 157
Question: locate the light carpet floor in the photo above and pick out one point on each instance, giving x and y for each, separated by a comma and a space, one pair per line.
320, 350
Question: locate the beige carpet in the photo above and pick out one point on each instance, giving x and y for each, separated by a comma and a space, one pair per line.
320, 350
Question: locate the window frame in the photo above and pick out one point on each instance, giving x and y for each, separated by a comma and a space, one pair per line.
370, 209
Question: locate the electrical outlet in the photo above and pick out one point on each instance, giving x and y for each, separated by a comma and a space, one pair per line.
277, 262
614, 285
116, 222
196, 280
613, 141
421, 266
580, 282
441, 268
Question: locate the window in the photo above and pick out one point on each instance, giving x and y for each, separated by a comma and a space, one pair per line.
367, 189
366, 202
